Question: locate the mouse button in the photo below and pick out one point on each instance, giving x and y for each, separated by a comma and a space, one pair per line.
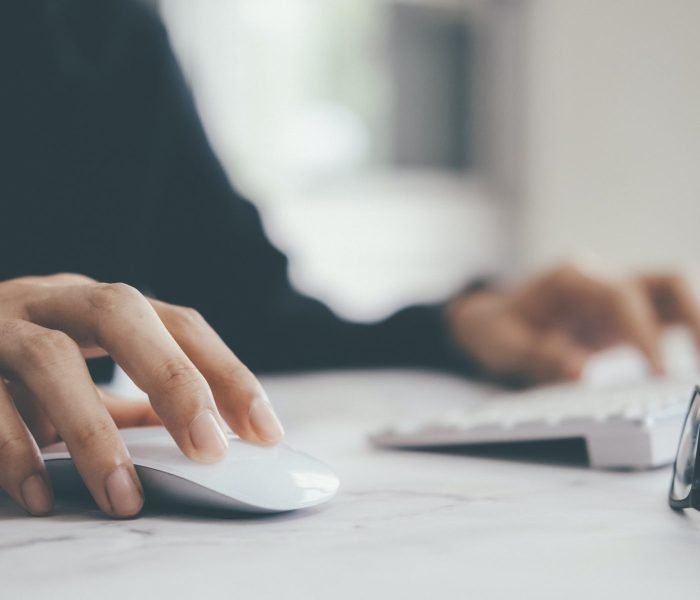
168, 456
240, 450
165, 456
153, 435
291, 480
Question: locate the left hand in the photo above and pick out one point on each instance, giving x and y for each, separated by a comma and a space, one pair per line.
544, 330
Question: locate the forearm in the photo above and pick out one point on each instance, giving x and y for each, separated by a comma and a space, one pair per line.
208, 250
301, 333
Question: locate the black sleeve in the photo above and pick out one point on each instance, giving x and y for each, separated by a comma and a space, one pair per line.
207, 249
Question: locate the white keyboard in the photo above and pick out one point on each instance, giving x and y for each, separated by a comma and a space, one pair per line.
627, 420
627, 426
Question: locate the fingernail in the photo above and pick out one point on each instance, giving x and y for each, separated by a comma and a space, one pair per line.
265, 421
123, 493
207, 437
36, 495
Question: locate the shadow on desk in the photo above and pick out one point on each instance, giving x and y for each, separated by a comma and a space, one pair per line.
564, 452
79, 506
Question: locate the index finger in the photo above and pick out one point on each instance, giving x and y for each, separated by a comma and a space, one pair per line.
237, 392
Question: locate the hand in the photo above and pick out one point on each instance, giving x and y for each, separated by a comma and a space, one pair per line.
195, 384
545, 330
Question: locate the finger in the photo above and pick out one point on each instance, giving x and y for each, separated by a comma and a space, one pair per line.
674, 300
58, 279
125, 412
632, 314
66, 279
129, 412
35, 417
636, 319
22, 472
513, 351
70, 279
119, 319
573, 299
555, 357
50, 365
238, 394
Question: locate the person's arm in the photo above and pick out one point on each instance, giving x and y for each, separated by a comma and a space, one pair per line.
74, 179
208, 250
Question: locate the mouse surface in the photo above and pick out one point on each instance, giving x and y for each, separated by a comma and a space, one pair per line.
250, 478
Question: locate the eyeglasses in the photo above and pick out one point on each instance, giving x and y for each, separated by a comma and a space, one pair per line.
685, 485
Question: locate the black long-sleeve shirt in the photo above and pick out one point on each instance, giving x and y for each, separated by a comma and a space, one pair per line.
105, 170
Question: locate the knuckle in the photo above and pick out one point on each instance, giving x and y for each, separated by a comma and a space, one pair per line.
110, 297
176, 375
47, 347
74, 278
13, 447
14, 295
185, 317
12, 329
239, 381
92, 435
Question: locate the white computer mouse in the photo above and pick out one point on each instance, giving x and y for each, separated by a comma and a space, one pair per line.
250, 478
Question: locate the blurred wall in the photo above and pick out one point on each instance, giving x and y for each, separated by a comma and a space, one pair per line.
430, 67
612, 151
587, 139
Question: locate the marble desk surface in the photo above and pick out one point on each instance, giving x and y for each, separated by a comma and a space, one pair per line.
404, 525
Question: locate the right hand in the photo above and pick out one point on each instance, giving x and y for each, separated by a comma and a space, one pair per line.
545, 329
195, 384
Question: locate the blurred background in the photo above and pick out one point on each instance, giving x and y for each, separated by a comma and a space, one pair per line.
398, 148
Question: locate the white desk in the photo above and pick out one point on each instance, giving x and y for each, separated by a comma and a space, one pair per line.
405, 525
